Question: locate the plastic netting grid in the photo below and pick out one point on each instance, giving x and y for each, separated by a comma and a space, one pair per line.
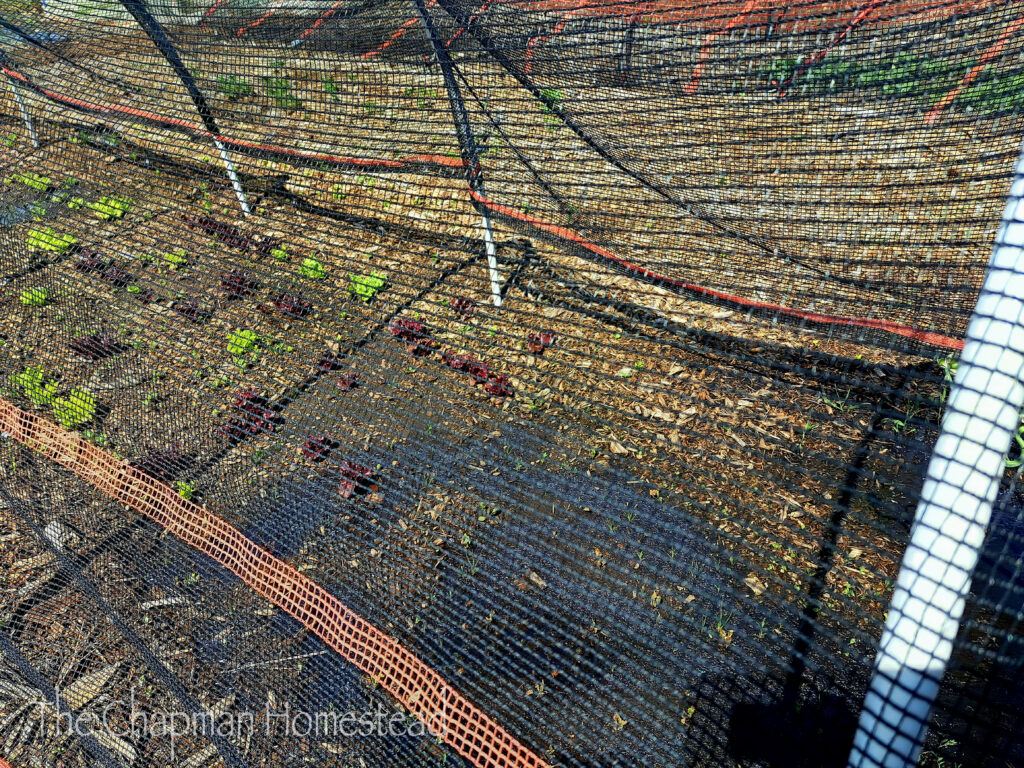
271, 446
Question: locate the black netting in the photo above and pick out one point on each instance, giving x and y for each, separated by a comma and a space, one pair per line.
498, 383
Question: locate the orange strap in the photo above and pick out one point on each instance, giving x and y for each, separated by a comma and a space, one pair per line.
929, 337
994, 50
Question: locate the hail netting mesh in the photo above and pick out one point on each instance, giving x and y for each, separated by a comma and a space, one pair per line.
650, 510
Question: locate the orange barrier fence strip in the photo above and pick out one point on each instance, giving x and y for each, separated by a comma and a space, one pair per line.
774, 13
448, 714
258, 22
198, 130
209, 12
823, 52
458, 33
899, 329
323, 18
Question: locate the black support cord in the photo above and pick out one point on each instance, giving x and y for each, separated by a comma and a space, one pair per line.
156, 33
698, 212
463, 130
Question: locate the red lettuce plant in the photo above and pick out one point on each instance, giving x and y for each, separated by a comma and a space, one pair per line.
348, 381
329, 361
90, 261
117, 277
317, 447
407, 330
231, 235
464, 307
192, 310
256, 416
355, 479
292, 304
498, 386
415, 333
479, 371
96, 346
538, 342
494, 383
236, 284
228, 234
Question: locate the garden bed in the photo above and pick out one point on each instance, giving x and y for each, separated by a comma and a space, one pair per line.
330, 376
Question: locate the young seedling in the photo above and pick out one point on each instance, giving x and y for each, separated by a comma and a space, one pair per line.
30, 180
551, 104
36, 385
233, 88
176, 259
313, 269
38, 210
76, 409
48, 240
280, 252
367, 286
280, 90
35, 297
185, 490
243, 346
111, 207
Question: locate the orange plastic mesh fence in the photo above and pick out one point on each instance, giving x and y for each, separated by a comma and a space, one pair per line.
447, 714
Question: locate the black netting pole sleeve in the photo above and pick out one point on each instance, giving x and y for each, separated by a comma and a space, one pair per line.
156, 33
467, 143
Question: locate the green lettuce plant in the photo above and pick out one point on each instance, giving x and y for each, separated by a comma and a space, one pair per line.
35, 384
76, 409
312, 269
34, 297
367, 286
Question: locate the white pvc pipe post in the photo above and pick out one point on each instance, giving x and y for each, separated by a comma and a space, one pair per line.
230, 168
25, 116
956, 502
492, 260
